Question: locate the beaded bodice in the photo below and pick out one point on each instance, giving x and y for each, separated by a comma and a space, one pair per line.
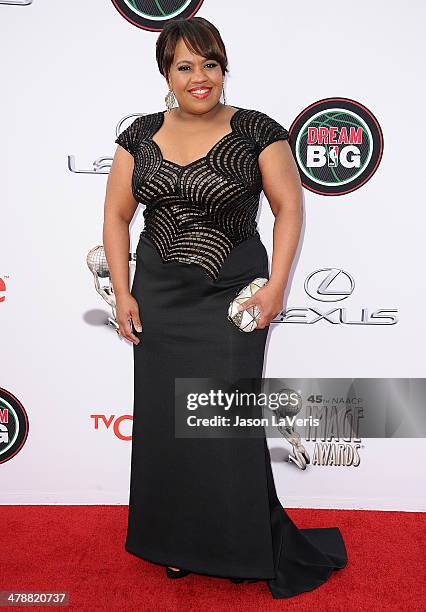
197, 212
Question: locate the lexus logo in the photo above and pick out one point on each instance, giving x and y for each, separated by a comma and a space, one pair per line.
335, 285
329, 285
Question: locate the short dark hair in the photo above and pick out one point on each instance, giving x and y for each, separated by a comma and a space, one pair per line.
199, 35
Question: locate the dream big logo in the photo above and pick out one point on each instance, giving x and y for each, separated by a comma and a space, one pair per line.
151, 15
338, 145
13, 425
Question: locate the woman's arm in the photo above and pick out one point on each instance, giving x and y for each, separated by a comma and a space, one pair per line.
119, 208
283, 189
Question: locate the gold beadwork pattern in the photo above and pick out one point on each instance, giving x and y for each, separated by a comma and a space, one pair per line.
197, 212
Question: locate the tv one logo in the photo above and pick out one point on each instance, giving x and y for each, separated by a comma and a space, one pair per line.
335, 285
338, 145
120, 426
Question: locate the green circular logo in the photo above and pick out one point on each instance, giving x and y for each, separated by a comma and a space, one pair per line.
338, 145
152, 14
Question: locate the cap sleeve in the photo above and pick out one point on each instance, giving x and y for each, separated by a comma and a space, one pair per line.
129, 138
269, 131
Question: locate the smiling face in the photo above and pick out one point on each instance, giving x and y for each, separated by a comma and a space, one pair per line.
196, 81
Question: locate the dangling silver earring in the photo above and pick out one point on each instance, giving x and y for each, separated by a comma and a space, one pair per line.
223, 91
170, 100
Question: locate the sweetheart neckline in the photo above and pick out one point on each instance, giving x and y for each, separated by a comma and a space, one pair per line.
199, 159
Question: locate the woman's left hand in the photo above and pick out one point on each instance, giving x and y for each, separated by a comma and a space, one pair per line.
269, 300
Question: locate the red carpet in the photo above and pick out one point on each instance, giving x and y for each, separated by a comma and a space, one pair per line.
80, 549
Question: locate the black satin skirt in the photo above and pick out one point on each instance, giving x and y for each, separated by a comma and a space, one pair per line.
209, 505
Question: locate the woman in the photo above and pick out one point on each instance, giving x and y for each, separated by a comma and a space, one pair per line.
204, 505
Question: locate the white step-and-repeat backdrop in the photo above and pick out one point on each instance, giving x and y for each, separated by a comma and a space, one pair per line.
342, 78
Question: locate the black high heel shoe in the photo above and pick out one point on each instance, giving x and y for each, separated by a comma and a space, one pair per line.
180, 573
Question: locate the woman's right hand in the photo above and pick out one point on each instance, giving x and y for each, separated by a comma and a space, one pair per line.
127, 311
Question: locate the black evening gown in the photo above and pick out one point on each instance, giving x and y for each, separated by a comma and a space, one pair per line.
207, 505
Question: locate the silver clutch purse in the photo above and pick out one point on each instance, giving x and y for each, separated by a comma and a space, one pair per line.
246, 320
